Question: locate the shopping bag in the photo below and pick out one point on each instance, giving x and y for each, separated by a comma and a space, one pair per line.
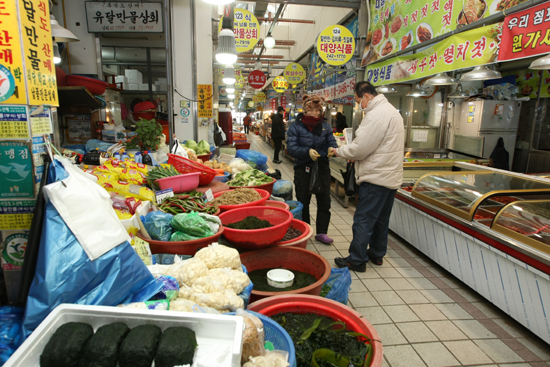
219, 136
349, 179
316, 182
339, 282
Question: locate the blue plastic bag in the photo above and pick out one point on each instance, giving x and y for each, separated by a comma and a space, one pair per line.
11, 321
282, 188
253, 158
298, 207
170, 288
92, 144
340, 280
157, 224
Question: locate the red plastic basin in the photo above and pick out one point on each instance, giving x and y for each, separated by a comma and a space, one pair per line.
256, 238
290, 258
264, 194
277, 204
300, 241
180, 183
181, 247
95, 86
267, 187
322, 306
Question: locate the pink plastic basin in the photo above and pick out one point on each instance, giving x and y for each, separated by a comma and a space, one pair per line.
180, 183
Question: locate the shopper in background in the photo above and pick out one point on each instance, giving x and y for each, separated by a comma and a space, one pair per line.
247, 122
340, 122
309, 139
378, 154
278, 132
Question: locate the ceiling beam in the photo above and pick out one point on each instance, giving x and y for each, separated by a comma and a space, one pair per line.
250, 56
351, 4
287, 20
277, 15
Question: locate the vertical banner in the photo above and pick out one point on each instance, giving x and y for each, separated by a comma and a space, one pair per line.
38, 52
205, 100
283, 101
16, 165
12, 89
273, 104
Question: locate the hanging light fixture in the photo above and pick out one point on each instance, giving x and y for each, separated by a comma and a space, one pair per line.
218, 2
458, 93
226, 53
541, 64
56, 55
386, 89
417, 92
333, 110
61, 34
480, 73
441, 79
269, 42
229, 75
258, 65
231, 96
230, 90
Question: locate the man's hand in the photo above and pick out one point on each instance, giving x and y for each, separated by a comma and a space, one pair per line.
331, 152
313, 154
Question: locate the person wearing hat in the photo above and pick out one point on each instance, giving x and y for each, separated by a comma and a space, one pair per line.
277, 132
308, 140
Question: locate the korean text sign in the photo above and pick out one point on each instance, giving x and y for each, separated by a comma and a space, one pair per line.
526, 33
205, 100
294, 73
124, 17
38, 52
256, 79
336, 45
12, 89
246, 28
16, 163
280, 84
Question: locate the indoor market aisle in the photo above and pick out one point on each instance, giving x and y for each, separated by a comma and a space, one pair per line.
424, 315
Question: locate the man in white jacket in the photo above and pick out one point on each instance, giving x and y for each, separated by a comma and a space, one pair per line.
377, 150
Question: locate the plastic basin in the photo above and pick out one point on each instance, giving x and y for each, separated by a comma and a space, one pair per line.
290, 258
277, 204
256, 238
325, 307
181, 247
300, 241
180, 183
239, 146
264, 194
95, 86
204, 157
223, 178
267, 187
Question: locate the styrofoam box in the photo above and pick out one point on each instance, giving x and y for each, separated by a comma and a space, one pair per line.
133, 86
121, 79
213, 332
144, 87
134, 76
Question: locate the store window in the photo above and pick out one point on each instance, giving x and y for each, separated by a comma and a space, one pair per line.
426, 122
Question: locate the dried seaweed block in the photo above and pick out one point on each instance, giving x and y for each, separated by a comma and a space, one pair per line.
140, 346
102, 348
177, 347
66, 344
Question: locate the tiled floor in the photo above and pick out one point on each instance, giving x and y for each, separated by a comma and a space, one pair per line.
424, 315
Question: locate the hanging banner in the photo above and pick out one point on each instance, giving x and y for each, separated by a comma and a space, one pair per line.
246, 28
336, 45
250, 104
528, 82
341, 93
256, 79
274, 104
205, 100
261, 96
283, 101
280, 84
17, 178
526, 34
124, 17
463, 50
38, 51
12, 89
239, 83
294, 73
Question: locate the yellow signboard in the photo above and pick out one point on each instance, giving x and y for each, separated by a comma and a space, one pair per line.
280, 84
261, 96
12, 89
294, 73
239, 83
205, 100
246, 28
336, 45
250, 103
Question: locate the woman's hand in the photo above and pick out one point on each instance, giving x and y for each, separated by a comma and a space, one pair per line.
313, 154
332, 152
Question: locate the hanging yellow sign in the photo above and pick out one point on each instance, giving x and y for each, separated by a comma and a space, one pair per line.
280, 84
254, 100
205, 100
336, 45
239, 83
38, 51
246, 28
294, 73
250, 104
261, 96
12, 89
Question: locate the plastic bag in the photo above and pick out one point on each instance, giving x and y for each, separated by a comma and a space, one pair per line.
208, 284
349, 179
252, 157
179, 236
157, 225
340, 282
170, 288
296, 208
231, 279
186, 272
226, 300
316, 182
192, 224
270, 359
11, 320
219, 256
212, 221
282, 187
253, 336
238, 165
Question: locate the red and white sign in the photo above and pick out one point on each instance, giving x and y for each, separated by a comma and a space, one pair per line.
526, 33
283, 101
273, 104
256, 79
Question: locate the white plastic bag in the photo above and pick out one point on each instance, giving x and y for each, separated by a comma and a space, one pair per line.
178, 150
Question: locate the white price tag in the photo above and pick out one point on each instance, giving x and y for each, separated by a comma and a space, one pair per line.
163, 194
209, 195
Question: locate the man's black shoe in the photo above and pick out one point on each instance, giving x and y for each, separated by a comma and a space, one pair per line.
342, 262
377, 261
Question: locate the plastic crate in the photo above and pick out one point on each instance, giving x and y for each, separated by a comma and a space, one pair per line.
184, 165
212, 331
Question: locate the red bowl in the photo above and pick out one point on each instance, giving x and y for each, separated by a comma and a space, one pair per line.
95, 86
181, 247
264, 194
61, 77
301, 240
277, 204
267, 187
256, 238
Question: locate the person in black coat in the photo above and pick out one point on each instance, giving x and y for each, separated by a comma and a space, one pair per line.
340, 122
277, 132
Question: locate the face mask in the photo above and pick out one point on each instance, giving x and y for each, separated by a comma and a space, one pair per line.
360, 104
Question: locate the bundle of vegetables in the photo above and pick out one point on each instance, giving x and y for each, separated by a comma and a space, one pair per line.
218, 165
325, 341
162, 171
185, 203
201, 148
250, 178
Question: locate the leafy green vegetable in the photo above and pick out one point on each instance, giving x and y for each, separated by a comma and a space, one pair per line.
191, 144
250, 178
203, 147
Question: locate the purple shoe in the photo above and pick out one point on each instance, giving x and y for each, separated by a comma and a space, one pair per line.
324, 239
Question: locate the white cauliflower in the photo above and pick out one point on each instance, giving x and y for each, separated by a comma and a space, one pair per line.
232, 279
186, 272
226, 300
208, 284
219, 256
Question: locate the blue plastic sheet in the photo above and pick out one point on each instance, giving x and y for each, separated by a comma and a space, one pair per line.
297, 211
253, 158
65, 274
11, 320
92, 144
340, 280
